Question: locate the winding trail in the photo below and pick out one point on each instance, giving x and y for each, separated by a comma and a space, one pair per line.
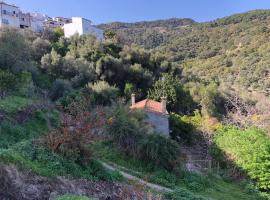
134, 178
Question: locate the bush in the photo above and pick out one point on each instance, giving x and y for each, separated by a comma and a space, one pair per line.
7, 82
59, 88
159, 150
182, 194
249, 149
104, 93
133, 137
181, 130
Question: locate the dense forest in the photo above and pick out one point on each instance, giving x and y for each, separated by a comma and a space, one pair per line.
64, 109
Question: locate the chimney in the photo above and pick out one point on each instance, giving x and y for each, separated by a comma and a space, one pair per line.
164, 105
133, 101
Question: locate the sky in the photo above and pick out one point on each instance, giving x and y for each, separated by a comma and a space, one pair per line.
104, 11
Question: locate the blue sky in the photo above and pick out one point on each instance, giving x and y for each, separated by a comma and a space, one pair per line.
100, 11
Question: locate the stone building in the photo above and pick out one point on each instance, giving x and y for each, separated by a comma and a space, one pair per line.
157, 114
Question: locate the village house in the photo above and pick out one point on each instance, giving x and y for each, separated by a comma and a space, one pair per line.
157, 114
11, 15
82, 26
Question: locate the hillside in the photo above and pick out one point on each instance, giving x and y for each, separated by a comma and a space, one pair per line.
149, 34
231, 50
66, 126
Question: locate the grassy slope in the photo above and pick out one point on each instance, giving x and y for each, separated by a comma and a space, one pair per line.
72, 197
13, 132
208, 186
23, 144
12, 104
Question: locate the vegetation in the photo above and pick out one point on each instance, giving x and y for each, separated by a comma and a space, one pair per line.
215, 74
249, 149
73, 197
40, 160
186, 184
137, 141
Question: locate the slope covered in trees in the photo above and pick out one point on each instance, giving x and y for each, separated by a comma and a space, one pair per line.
232, 50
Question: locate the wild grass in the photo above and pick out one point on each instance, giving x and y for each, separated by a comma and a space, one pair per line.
195, 185
73, 197
12, 132
12, 104
34, 156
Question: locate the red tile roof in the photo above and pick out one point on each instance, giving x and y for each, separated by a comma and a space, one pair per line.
149, 105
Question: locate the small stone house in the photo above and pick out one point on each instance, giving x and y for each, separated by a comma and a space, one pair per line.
157, 114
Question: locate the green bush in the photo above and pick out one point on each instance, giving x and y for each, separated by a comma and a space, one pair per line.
249, 149
7, 82
59, 88
182, 194
104, 92
196, 182
180, 130
131, 136
159, 150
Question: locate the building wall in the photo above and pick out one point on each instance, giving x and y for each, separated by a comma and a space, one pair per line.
25, 20
88, 28
160, 123
9, 15
82, 26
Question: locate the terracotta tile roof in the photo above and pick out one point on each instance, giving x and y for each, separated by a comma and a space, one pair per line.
149, 105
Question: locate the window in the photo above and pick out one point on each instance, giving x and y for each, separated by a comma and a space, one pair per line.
4, 12
5, 21
14, 12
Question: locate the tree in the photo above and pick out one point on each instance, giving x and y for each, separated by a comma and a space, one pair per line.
110, 35
7, 82
52, 63
104, 92
40, 47
14, 48
170, 87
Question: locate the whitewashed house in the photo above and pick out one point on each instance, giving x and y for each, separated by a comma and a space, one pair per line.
25, 20
82, 26
9, 15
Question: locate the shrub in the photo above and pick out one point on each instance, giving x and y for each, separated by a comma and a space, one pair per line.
183, 194
132, 136
180, 130
7, 82
104, 93
249, 149
159, 150
59, 88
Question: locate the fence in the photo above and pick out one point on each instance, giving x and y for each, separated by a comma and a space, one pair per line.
205, 165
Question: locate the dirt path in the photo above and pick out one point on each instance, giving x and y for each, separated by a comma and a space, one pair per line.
134, 178
18, 184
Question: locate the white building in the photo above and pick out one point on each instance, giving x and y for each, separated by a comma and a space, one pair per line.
82, 26
37, 21
9, 15
25, 20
